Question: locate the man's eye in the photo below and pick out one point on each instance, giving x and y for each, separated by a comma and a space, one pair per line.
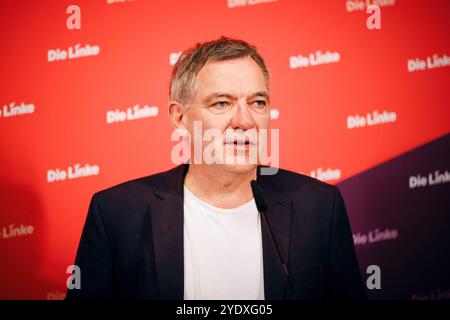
221, 104
260, 103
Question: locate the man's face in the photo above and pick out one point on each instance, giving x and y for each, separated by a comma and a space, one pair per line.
231, 96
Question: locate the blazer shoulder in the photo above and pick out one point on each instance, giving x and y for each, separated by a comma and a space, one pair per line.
297, 182
312, 199
131, 192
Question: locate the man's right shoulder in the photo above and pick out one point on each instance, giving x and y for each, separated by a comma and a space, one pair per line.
132, 192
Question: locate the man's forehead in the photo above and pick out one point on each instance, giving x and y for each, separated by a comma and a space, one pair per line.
233, 79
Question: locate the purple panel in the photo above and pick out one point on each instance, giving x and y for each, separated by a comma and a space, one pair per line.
412, 215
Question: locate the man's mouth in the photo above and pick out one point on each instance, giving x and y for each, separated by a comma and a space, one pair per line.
240, 142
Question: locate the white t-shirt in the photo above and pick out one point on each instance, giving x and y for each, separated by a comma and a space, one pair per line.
223, 256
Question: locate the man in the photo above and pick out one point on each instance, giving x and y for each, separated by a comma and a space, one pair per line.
194, 232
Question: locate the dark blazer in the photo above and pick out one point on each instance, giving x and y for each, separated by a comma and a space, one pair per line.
132, 242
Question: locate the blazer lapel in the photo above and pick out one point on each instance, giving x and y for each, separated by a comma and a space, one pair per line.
166, 210
278, 216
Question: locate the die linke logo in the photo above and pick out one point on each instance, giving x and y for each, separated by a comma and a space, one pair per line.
326, 174
73, 172
134, 113
314, 59
73, 52
357, 5
437, 294
431, 62
371, 119
243, 3
55, 295
14, 231
14, 109
431, 179
375, 235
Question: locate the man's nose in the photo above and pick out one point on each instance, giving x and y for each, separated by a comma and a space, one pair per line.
242, 118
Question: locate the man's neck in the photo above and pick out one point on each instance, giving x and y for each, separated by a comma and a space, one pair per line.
219, 187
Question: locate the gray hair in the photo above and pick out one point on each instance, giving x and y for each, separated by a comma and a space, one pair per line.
191, 61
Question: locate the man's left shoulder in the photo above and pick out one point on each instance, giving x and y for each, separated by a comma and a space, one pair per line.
293, 182
309, 196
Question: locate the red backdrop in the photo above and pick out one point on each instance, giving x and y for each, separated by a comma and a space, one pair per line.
71, 99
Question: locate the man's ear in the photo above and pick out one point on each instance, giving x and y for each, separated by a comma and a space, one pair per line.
177, 114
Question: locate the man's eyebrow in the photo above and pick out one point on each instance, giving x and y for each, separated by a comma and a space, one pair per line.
219, 95
260, 94
231, 97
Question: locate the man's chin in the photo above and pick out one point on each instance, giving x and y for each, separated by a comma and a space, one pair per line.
239, 168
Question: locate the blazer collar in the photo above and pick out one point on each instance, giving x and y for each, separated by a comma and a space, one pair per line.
166, 211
